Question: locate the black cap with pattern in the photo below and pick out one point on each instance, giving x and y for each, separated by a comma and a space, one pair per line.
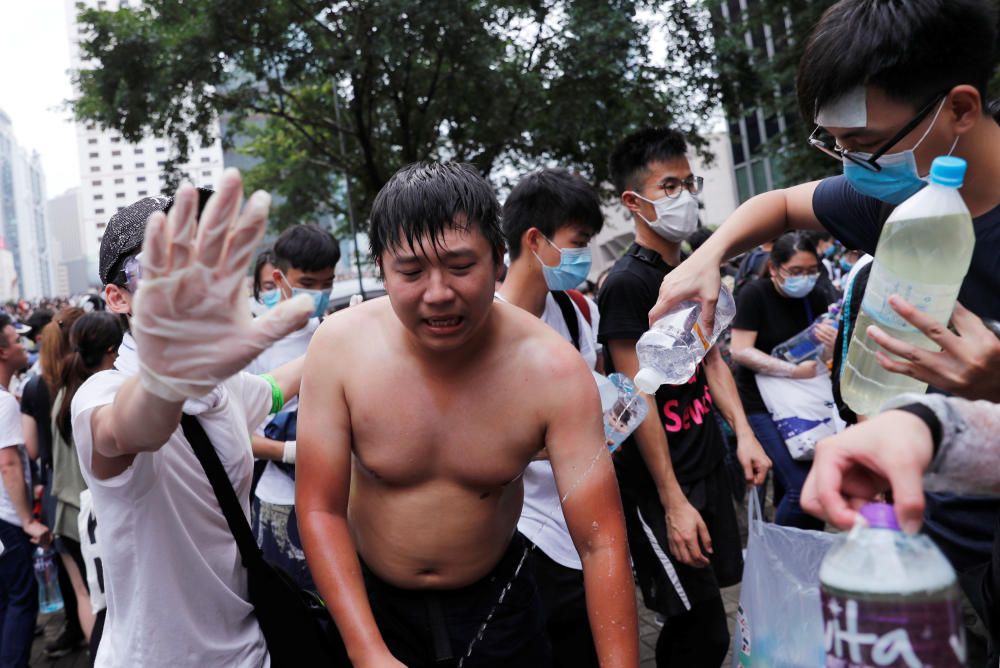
124, 233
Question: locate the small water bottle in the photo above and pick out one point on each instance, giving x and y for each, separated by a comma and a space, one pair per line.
889, 599
806, 345
626, 412
670, 351
49, 596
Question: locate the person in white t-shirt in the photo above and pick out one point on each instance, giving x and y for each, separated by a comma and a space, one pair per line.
176, 589
18, 529
549, 219
305, 259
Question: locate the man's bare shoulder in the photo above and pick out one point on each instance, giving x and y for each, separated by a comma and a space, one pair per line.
539, 345
351, 325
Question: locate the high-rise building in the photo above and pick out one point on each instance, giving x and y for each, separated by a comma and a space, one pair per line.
69, 250
23, 225
115, 173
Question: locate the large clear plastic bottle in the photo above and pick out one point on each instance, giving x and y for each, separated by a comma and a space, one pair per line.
49, 596
889, 599
669, 352
625, 413
922, 255
806, 345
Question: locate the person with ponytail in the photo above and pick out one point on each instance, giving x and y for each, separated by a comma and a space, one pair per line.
92, 346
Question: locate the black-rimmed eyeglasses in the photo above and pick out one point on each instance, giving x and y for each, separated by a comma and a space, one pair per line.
828, 145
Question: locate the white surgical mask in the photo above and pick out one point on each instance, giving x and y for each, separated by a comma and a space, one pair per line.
676, 218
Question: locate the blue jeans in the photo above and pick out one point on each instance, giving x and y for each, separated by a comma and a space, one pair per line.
790, 474
18, 597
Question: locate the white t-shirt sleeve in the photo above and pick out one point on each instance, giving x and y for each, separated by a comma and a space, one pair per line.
100, 390
594, 324
254, 394
10, 422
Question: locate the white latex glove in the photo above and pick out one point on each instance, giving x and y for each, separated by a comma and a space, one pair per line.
191, 321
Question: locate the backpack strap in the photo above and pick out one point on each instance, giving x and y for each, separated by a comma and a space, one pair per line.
565, 303
581, 303
250, 553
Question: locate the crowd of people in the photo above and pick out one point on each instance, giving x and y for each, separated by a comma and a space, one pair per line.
432, 466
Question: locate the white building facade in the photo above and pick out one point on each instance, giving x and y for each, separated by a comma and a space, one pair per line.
23, 222
115, 173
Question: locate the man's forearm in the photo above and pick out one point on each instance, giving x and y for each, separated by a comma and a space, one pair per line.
17, 491
725, 396
266, 448
655, 452
336, 570
288, 376
140, 420
611, 608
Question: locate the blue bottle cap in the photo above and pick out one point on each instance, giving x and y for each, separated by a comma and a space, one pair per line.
880, 516
948, 171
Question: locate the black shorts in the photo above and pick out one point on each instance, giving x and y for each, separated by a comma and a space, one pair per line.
668, 586
434, 628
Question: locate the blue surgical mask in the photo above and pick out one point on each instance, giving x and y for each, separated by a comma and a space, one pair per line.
798, 286
845, 266
830, 250
574, 265
321, 298
270, 298
898, 178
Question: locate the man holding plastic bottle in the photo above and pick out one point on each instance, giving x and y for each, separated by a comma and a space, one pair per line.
676, 495
890, 90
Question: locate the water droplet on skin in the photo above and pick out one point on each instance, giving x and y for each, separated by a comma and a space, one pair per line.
595, 526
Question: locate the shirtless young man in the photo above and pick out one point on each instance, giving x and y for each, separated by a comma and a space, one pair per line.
410, 455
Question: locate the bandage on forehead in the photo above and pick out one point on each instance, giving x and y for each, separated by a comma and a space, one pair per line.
850, 110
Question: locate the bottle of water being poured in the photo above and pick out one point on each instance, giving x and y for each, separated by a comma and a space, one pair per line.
670, 351
49, 597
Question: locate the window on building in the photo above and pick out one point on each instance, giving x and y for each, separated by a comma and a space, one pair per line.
93, 155
736, 140
120, 195
92, 140
161, 149
205, 158
100, 238
119, 208
116, 152
98, 211
98, 196
119, 181
95, 168
95, 183
138, 151
115, 140
102, 225
117, 168
160, 163
140, 165
140, 179
742, 184
142, 193
206, 173
753, 134
760, 183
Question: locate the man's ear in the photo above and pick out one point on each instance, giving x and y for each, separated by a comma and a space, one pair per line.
966, 107
532, 239
117, 301
279, 279
630, 201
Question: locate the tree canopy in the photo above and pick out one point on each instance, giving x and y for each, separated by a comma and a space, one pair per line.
322, 91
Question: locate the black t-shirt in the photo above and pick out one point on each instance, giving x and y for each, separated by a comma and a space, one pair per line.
35, 402
685, 411
856, 221
963, 526
776, 318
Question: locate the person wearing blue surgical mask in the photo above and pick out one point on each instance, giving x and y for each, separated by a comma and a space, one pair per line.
769, 311
302, 261
265, 291
549, 219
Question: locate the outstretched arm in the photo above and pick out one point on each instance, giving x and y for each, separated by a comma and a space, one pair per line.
756, 221
592, 506
323, 481
191, 322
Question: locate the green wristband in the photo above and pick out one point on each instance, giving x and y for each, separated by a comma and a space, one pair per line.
277, 396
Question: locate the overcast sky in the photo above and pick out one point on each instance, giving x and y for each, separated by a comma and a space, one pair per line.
34, 59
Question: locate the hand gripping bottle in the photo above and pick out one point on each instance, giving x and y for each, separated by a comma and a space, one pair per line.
669, 352
889, 599
923, 255
49, 596
806, 345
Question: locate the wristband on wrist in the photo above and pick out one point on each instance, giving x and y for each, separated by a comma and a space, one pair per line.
288, 454
930, 419
277, 396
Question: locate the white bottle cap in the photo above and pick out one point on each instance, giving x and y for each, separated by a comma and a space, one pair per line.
648, 380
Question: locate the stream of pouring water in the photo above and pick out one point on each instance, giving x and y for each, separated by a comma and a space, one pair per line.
524, 555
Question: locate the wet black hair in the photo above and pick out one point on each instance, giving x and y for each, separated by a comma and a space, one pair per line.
628, 162
789, 244
265, 257
424, 199
549, 200
306, 247
910, 49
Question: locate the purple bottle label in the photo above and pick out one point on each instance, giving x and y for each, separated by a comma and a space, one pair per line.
877, 634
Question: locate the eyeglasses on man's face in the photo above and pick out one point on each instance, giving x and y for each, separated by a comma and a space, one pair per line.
824, 141
673, 187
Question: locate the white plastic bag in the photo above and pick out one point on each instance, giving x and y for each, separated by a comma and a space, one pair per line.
803, 410
779, 622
